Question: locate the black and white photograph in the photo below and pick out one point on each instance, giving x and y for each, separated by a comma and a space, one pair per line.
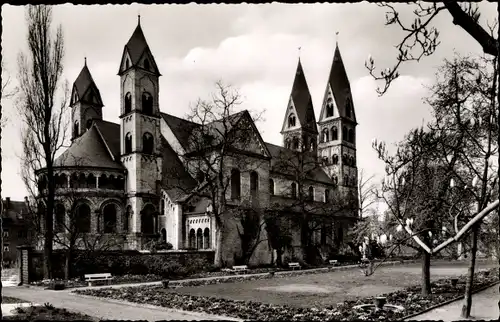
250, 161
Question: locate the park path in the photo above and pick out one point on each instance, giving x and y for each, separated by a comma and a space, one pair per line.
102, 308
484, 307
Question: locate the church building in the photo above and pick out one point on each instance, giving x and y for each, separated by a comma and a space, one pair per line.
116, 180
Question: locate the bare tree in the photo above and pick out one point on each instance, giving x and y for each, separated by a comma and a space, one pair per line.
6, 91
367, 194
421, 39
219, 140
44, 128
302, 168
459, 143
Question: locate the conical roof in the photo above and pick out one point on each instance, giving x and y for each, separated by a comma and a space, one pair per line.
88, 150
302, 100
81, 87
339, 83
136, 47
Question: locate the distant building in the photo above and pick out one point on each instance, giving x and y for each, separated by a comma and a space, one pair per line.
120, 171
16, 228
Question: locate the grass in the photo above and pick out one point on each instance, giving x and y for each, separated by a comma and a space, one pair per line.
47, 313
325, 289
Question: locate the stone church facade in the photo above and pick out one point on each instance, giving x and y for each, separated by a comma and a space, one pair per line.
114, 178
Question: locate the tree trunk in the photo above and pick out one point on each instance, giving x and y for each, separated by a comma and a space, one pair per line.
67, 269
218, 247
467, 305
279, 257
426, 274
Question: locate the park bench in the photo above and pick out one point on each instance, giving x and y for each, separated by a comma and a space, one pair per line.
240, 268
293, 266
333, 262
98, 277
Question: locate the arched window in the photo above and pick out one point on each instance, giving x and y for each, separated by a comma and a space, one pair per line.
128, 102
348, 107
127, 63
128, 143
313, 145
148, 220
346, 180
162, 207
327, 195
146, 64
311, 193
164, 235
335, 134
147, 143
351, 135
59, 218
271, 187
254, 183
295, 144
89, 124
291, 120
206, 238
335, 179
294, 190
126, 218
91, 181
344, 134
329, 107
83, 218
147, 103
109, 217
335, 159
325, 135
76, 129
199, 239
235, 184
192, 239
288, 144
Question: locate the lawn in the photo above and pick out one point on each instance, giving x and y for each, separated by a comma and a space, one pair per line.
330, 288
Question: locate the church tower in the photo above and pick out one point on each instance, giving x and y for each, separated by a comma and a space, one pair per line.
140, 132
337, 128
299, 128
86, 103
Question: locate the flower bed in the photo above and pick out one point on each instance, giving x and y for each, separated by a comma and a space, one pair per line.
409, 298
47, 313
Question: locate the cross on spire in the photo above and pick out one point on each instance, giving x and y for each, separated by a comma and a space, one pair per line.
337, 38
139, 19
85, 58
299, 51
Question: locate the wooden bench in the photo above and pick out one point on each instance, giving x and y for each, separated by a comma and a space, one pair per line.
98, 277
240, 268
333, 262
293, 266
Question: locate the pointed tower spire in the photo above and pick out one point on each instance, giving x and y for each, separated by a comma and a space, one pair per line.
137, 53
299, 126
85, 85
339, 88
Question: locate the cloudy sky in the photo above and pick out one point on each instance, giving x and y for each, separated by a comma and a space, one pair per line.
254, 48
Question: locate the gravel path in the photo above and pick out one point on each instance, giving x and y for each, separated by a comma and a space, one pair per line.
103, 309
